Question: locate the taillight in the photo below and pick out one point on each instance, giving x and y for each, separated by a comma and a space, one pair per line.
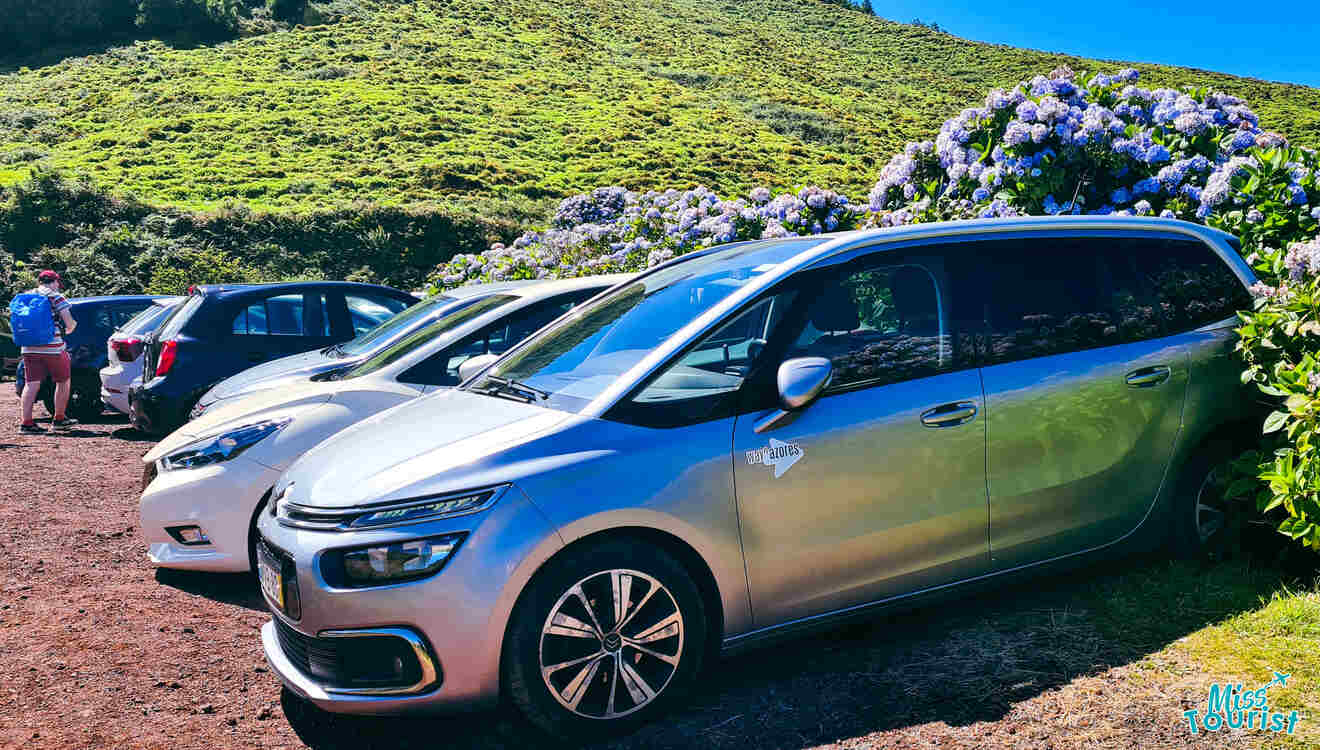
126, 350
166, 359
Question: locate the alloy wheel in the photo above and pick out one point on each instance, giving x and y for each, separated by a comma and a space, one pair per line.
611, 644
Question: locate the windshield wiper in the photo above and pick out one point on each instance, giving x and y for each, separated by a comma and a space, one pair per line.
507, 387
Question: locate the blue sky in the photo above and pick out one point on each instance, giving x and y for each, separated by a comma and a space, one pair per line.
1277, 41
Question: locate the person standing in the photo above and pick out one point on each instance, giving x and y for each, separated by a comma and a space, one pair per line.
44, 352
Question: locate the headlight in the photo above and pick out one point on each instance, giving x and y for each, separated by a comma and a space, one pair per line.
435, 508
393, 513
400, 561
223, 447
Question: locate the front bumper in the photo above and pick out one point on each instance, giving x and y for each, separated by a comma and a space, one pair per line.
460, 612
220, 498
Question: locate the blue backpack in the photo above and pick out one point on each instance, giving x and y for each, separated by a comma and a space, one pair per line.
32, 320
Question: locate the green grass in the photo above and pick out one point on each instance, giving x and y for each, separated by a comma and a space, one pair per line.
487, 100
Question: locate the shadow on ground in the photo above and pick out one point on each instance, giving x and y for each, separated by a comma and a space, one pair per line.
956, 663
239, 589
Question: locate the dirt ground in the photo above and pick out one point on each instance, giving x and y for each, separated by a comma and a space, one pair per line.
98, 649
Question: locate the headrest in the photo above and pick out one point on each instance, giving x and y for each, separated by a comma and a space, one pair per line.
835, 309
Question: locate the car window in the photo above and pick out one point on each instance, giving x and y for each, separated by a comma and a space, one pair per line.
878, 321
410, 319
180, 317
149, 319
1191, 285
703, 383
366, 311
581, 356
441, 368
284, 315
1054, 295
424, 336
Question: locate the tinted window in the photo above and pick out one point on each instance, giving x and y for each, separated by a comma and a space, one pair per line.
147, 320
1055, 295
441, 368
284, 315
877, 321
1192, 285
108, 318
180, 317
366, 311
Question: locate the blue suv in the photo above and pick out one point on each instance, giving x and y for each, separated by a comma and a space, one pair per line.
222, 330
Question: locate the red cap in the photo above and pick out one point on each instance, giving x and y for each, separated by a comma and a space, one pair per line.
48, 276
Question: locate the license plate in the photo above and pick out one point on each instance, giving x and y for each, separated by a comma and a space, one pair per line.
269, 571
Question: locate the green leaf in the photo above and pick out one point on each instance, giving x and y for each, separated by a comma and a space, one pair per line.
1275, 422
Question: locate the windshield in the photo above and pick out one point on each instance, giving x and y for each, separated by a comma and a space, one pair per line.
408, 320
414, 341
579, 358
147, 320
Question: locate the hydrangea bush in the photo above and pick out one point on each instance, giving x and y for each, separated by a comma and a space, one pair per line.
1056, 144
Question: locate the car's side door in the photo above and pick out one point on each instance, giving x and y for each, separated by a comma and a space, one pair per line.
1084, 394
279, 324
877, 489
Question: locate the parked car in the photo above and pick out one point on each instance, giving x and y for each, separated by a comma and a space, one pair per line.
209, 479
224, 329
97, 319
124, 352
10, 355
343, 356
771, 438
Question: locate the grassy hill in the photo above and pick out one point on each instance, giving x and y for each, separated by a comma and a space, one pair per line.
527, 100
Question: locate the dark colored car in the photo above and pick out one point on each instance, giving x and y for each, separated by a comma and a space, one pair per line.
97, 319
224, 329
9, 354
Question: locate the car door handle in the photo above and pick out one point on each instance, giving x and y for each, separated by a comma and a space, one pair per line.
1148, 377
949, 415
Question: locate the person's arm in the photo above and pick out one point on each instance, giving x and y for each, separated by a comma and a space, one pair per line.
69, 322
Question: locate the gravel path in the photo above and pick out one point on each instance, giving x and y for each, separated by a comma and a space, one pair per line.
97, 649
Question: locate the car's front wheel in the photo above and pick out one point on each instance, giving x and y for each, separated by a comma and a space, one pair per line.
604, 638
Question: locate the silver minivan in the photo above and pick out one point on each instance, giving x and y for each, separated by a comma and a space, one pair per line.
770, 437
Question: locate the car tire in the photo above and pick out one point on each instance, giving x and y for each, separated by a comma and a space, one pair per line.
1201, 515
573, 671
84, 402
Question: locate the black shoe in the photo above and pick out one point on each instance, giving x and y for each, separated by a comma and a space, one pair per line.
63, 424
31, 429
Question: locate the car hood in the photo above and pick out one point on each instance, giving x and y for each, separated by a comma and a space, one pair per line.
276, 373
439, 443
253, 408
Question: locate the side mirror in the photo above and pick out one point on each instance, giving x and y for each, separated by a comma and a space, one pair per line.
803, 379
473, 365
800, 381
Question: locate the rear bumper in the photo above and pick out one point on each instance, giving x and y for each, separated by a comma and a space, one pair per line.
155, 410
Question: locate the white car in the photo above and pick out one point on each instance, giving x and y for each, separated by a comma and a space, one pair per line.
206, 483
124, 352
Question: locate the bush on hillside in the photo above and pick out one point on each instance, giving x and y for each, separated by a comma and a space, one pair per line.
30, 25
110, 244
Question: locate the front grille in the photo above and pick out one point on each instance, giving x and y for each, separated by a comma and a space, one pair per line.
318, 657
367, 662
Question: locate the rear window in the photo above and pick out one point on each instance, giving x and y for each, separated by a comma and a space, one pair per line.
179, 318
149, 319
